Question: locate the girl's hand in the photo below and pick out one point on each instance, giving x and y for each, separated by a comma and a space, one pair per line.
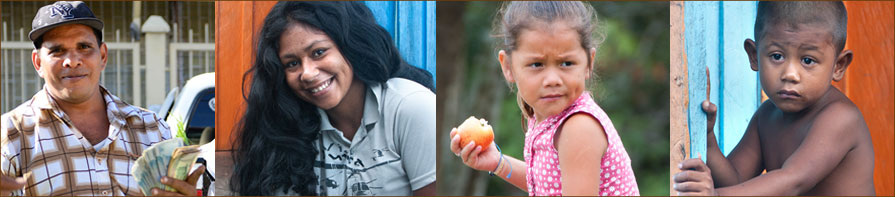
695, 179
472, 155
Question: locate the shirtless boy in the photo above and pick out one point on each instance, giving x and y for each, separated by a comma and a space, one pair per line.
809, 137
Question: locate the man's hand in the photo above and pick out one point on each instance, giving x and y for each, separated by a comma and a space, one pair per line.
695, 179
185, 188
9, 184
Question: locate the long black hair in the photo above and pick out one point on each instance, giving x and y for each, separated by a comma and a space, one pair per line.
275, 147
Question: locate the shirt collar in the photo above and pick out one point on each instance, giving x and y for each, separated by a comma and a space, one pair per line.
371, 109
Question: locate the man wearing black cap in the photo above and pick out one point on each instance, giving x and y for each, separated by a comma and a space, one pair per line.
73, 137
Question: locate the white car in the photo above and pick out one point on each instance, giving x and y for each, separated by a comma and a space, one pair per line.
191, 110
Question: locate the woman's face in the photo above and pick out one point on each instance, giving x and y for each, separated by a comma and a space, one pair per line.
315, 69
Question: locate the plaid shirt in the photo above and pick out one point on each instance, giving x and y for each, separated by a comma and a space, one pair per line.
38, 138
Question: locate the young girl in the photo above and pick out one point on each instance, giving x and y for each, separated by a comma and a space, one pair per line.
571, 146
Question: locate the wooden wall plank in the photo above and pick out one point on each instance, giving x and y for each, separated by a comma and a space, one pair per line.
869, 81
414, 34
237, 23
410, 34
679, 134
386, 14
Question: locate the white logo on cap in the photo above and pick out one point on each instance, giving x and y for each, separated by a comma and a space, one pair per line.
63, 9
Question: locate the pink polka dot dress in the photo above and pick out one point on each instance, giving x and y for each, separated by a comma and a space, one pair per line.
616, 175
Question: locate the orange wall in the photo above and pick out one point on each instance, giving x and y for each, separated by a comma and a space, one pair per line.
869, 81
236, 23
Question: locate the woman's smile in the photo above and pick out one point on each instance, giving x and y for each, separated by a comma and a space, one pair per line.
322, 88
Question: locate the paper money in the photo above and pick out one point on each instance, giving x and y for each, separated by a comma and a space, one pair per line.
181, 163
167, 158
141, 174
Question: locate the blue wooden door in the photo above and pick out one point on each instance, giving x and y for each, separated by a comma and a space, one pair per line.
714, 36
412, 26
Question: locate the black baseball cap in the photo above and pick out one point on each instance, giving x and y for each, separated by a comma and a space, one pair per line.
61, 13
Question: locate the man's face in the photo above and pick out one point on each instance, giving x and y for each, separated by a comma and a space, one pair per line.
70, 60
795, 64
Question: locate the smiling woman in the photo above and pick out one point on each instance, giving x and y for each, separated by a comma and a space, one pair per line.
329, 109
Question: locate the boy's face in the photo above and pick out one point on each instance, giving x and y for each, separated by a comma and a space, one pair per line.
796, 63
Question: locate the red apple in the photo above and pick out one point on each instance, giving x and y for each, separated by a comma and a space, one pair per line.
477, 130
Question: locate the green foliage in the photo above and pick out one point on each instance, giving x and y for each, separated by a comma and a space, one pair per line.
180, 127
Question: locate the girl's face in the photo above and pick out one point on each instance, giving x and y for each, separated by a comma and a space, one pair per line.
549, 67
315, 69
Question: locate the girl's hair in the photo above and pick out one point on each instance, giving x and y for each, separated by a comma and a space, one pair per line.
516, 16
275, 146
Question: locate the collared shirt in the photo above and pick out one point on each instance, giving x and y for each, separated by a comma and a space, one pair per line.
393, 151
39, 139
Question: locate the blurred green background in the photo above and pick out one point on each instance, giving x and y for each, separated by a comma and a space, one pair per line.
632, 87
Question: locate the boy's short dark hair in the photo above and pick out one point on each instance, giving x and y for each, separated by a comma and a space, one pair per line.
829, 13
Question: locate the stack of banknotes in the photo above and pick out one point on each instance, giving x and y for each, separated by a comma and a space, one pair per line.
167, 158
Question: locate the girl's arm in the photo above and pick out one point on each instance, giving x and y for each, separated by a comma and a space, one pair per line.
581, 143
519, 170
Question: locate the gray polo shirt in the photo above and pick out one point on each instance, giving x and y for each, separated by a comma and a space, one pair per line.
393, 152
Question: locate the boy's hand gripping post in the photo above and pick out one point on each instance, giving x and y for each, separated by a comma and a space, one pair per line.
699, 121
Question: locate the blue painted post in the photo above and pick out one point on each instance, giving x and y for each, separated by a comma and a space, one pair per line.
740, 92
430, 40
715, 32
701, 37
412, 27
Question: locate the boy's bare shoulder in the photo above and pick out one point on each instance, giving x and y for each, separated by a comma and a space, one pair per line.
840, 112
